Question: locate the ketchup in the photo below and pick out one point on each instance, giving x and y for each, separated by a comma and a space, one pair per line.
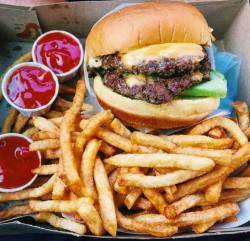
16, 162
58, 51
31, 87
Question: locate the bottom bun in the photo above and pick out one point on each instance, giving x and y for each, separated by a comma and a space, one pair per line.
138, 113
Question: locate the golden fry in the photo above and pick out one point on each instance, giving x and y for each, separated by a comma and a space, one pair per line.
162, 160
44, 145
13, 211
21, 121
46, 169
87, 167
242, 112
61, 223
91, 129
223, 122
105, 197
44, 124
199, 141
151, 140
9, 120
68, 155
158, 230
119, 128
213, 192
29, 193
171, 211
220, 157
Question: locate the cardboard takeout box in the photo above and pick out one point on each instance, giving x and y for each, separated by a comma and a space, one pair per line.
19, 26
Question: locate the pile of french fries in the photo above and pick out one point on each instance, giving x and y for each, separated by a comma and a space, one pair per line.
107, 176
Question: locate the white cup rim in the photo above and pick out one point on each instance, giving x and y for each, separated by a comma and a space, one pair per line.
73, 70
21, 109
34, 177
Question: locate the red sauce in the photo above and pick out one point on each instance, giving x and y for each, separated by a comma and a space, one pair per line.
16, 162
58, 51
31, 87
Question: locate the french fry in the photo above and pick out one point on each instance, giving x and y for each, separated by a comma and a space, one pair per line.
131, 197
53, 114
31, 132
237, 182
155, 198
57, 121
91, 128
87, 167
151, 218
119, 128
231, 219
242, 112
44, 124
176, 208
59, 189
247, 132
202, 227
107, 149
90, 215
13, 211
223, 122
216, 213
142, 203
151, 140
46, 169
234, 195
61, 223
83, 123
68, 156
9, 120
44, 145
43, 135
159, 230
51, 154
105, 197
115, 140
64, 206
117, 187
169, 179
113, 177
213, 192
192, 186
217, 133
66, 89
199, 141
162, 160
221, 157
21, 121
29, 193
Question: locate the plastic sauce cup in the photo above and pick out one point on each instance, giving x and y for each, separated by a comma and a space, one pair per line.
61, 51
31, 88
17, 162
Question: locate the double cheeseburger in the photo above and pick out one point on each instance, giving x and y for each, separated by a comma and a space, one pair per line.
150, 65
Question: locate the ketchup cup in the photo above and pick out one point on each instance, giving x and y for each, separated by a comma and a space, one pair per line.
61, 51
17, 162
31, 88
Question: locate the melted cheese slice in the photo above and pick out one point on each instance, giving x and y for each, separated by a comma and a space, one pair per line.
168, 50
132, 80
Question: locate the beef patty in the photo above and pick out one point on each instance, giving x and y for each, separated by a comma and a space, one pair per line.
167, 77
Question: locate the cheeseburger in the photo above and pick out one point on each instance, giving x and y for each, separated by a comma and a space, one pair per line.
150, 65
